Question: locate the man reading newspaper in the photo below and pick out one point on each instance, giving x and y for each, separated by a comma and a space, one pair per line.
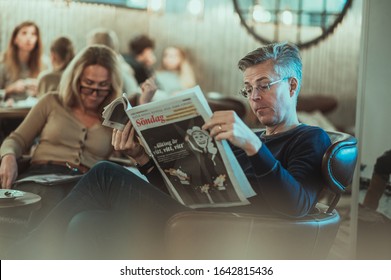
124, 216
197, 170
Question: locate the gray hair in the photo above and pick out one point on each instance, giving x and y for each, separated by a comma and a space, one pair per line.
105, 37
285, 56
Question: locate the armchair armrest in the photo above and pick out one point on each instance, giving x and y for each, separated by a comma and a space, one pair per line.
224, 235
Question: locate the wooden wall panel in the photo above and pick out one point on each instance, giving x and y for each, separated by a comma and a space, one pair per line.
215, 43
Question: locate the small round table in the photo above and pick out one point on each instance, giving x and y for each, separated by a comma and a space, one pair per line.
27, 200
15, 213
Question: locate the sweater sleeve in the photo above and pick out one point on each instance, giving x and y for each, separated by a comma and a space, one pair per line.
292, 188
20, 140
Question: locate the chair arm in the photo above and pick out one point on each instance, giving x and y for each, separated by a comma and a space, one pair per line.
338, 164
222, 235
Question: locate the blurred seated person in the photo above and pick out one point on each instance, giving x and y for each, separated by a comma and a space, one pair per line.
61, 54
110, 39
128, 215
22, 62
20, 65
68, 123
176, 73
142, 57
379, 180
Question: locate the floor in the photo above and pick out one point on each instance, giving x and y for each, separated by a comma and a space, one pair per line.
379, 227
340, 248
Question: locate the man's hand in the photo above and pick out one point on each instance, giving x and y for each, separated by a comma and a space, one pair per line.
8, 171
127, 142
227, 125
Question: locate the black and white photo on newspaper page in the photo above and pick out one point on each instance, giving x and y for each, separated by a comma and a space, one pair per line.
199, 171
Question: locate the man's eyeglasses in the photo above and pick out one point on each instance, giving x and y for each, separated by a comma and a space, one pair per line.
99, 92
261, 87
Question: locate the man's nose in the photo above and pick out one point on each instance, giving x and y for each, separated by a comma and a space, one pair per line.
255, 94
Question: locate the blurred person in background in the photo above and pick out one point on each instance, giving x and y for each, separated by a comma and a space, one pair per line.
22, 62
109, 38
142, 57
176, 72
61, 54
379, 181
20, 66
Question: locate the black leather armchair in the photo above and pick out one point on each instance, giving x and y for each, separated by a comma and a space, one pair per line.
218, 235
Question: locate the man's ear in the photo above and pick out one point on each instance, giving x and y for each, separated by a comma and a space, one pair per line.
293, 85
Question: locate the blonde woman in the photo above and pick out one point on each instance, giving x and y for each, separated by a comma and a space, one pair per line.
68, 123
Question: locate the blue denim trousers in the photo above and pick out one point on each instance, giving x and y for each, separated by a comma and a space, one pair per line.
383, 165
111, 213
51, 195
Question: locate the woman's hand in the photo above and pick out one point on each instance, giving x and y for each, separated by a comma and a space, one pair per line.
18, 86
227, 125
148, 89
127, 142
31, 87
8, 171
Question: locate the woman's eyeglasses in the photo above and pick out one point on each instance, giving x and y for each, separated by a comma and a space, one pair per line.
99, 92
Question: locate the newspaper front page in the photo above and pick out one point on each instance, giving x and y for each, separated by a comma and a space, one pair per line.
199, 171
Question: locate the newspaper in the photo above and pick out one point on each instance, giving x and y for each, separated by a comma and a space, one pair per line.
50, 179
199, 171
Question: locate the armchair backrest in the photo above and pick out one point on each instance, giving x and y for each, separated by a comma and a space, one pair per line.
338, 164
218, 102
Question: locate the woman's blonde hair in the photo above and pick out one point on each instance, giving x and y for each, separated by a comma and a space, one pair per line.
11, 59
69, 87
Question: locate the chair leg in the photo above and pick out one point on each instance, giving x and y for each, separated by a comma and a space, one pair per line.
375, 191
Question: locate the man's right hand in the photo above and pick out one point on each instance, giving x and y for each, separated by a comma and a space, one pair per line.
8, 171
